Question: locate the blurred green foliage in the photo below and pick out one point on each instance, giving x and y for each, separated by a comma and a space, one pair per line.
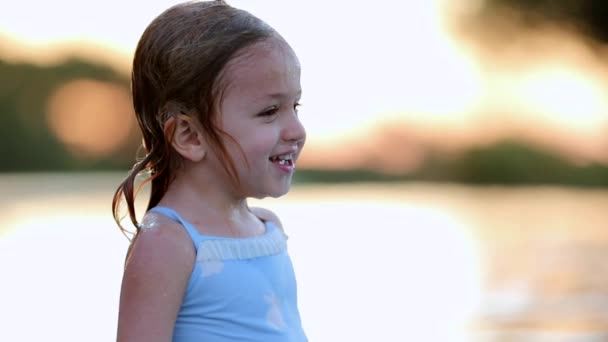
27, 143
512, 163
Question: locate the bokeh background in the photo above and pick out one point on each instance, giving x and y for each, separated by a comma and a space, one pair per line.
453, 186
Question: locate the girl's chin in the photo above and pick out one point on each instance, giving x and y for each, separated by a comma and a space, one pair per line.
274, 193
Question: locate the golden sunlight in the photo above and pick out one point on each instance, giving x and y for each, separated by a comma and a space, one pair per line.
566, 96
405, 65
89, 116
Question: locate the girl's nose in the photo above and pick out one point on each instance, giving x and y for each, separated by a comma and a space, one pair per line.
294, 130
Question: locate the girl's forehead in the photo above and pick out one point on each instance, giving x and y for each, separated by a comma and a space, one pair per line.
271, 47
263, 63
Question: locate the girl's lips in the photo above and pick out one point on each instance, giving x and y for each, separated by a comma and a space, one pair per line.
288, 166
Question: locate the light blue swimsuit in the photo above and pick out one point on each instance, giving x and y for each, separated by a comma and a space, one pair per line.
240, 289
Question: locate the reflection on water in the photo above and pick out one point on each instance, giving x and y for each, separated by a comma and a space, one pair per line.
411, 262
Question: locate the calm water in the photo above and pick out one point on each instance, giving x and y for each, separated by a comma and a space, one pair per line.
409, 262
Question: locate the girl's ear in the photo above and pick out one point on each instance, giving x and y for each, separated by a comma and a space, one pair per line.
186, 137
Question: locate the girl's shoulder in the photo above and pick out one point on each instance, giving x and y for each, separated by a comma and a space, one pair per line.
266, 215
158, 235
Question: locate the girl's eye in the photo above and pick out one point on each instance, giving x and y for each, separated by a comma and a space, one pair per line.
269, 112
296, 107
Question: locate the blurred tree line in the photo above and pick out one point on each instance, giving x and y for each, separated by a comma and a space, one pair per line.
28, 145
506, 163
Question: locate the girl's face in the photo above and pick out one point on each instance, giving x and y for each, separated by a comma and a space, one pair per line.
259, 110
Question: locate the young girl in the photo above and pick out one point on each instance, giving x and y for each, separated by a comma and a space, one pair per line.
216, 93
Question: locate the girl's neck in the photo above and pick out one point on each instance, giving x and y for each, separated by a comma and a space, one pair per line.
208, 206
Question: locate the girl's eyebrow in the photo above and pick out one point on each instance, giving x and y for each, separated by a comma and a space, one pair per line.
280, 96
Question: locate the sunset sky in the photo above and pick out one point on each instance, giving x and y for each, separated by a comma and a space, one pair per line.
366, 64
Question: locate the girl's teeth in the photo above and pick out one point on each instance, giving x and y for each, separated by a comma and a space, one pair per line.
282, 158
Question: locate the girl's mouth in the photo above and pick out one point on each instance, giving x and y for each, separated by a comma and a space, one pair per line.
284, 162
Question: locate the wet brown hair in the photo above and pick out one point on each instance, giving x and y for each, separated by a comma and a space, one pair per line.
178, 63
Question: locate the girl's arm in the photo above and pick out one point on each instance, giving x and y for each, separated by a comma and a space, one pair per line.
155, 278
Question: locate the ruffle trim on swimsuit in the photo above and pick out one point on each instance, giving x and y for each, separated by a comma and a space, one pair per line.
272, 242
